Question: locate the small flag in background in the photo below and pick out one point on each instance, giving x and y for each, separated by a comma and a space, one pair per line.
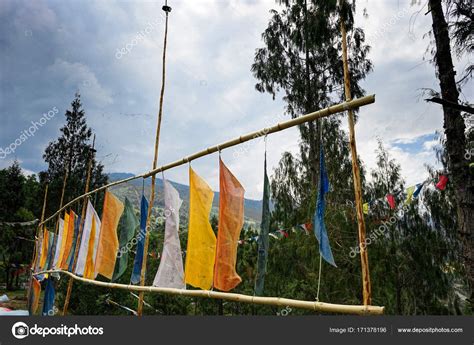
418, 189
391, 201
365, 208
137, 263
409, 191
319, 226
443, 180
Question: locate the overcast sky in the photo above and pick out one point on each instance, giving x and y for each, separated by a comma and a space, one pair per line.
50, 49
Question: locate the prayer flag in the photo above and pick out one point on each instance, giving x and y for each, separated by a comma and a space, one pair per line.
231, 219
88, 238
58, 242
137, 264
89, 268
443, 180
44, 249
63, 240
127, 229
391, 201
319, 226
263, 240
419, 186
409, 191
69, 239
170, 272
72, 252
49, 294
365, 208
34, 296
108, 241
201, 249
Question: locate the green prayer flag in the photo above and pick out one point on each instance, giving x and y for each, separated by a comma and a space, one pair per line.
263, 242
126, 230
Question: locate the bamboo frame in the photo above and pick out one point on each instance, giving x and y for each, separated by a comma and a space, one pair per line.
366, 287
274, 301
337, 108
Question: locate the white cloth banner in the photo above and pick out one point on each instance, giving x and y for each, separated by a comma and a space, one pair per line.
86, 233
170, 273
58, 242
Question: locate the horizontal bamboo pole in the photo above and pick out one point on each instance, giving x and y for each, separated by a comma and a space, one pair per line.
275, 301
338, 108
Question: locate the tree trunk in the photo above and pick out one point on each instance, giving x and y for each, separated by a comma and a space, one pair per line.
454, 128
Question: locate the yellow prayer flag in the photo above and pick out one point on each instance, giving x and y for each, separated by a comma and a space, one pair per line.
410, 191
108, 240
201, 250
35, 295
365, 208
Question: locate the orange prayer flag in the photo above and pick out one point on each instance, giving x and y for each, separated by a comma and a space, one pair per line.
62, 246
68, 242
90, 259
108, 240
35, 291
231, 219
44, 249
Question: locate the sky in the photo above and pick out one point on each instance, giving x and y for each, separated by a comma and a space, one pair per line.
111, 52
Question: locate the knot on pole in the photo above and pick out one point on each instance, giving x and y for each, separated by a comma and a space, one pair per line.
166, 8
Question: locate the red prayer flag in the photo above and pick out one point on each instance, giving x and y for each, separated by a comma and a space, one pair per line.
391, 201
443, 179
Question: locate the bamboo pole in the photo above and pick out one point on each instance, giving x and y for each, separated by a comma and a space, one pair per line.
81, 226
337, 108
275, 301
366, 288
155, 160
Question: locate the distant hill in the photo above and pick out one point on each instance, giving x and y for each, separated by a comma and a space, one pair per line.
133, 189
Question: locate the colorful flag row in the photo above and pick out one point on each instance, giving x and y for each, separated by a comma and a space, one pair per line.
411, 193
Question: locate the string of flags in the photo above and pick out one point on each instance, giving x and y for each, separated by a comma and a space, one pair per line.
412, 192
104, 246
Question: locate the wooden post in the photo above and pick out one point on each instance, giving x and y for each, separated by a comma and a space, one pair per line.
81, 226
366, 288
167, 9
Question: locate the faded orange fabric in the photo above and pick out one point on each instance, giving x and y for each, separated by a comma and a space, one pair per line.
44, 249
69, 238
108, 240
35, 297
89, 267
231, 219
201, 248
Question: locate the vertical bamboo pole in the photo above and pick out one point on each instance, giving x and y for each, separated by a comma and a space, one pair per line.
167, 9
366, 288
81, 226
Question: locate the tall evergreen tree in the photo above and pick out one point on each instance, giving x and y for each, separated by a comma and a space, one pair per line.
454, 128
71, 152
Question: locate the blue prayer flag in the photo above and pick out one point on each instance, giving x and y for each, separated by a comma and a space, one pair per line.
319, 226
49, 294
137, 265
